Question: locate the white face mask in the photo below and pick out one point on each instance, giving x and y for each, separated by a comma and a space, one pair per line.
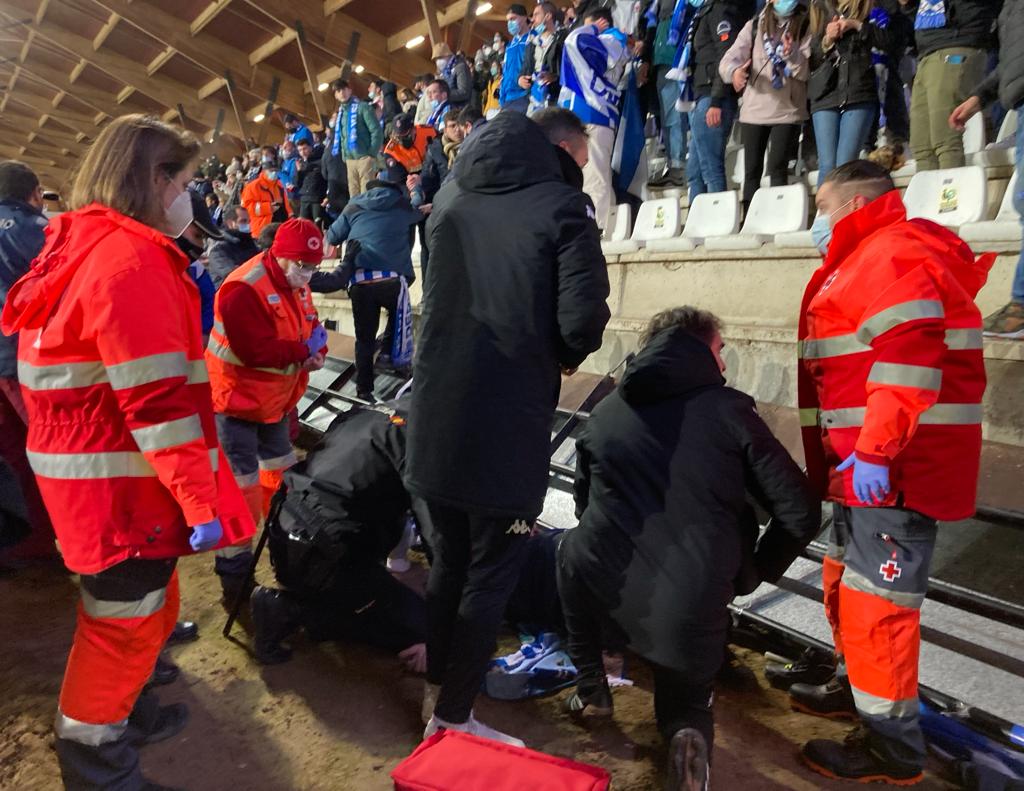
298, 277
441, 63
179, 214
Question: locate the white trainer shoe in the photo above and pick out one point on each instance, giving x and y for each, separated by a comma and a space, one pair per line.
472, 726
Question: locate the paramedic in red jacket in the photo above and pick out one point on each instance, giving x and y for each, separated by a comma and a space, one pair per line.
121, 434
891, 379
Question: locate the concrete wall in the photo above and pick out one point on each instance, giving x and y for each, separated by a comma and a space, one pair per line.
758, 297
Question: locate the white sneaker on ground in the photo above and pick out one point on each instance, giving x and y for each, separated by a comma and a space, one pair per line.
471, 726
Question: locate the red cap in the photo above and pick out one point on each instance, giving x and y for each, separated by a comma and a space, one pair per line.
299, 240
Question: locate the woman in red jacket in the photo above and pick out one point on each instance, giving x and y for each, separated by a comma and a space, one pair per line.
121, 434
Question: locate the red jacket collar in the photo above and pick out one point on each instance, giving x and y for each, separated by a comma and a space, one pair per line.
854, 228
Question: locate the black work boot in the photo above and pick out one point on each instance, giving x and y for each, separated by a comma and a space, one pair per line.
688, 762
587, 703
813, 668
672, 177
165, 672
858, 758
275, 615
832, 700
183, 632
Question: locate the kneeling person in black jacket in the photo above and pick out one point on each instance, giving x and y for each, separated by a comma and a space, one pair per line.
664, 469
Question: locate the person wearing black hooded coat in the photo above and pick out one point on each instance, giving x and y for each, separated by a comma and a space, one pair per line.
515, 294
665, 467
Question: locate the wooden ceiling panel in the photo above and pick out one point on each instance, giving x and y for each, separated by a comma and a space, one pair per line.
132, 43
182, 70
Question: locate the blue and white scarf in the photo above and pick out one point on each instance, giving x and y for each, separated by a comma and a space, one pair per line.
931, 14
401, 338
336, 147
681, 34
353, 125
773, 50
437, 117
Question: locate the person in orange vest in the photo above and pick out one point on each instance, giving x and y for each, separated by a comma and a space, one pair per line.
264, 198
121, 434
891, 379
408, 143
266, 339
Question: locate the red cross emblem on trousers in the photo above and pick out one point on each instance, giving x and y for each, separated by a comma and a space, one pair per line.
890, 571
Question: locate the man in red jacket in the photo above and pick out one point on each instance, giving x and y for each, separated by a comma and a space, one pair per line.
891, 380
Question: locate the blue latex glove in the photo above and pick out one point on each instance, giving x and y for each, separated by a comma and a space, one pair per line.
206, 536
870, 481
317, 340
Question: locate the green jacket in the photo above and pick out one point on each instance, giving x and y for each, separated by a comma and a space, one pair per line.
369, 133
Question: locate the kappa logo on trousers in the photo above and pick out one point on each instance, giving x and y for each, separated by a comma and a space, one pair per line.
519, 527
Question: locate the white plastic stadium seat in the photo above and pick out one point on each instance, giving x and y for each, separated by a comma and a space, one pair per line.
711, 214
1004, 228
949, 197
1002, 151
974, 135
616, 236
799, 240
772, 210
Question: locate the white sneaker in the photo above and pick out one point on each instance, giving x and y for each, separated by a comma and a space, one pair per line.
472, 726
399, 565
430, 693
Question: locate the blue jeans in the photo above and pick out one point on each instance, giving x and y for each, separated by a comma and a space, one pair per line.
705, 165
841, 134
673, 123
1018, 204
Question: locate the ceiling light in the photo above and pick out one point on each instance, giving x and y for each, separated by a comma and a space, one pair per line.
414, 42
258, 118
483, 8
323, 87
359, 69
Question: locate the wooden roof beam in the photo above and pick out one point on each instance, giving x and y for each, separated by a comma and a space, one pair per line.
80, 121
430, 17
105, 31
158, 62
330, 6
450, 15
207, 15
76, 72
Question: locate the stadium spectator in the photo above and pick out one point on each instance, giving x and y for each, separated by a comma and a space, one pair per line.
213, 206
21, 238
437, 163
593, 61
542, 58
125, 353
666, 535
423, 109
286, 174
953, 38
714, 108
408, 100
379, 221
264, 198
512, 95
408, 143
440, 105
492, 94
357, 138
192, 242
566, 132
297, 131
774, 89
844, 85
455, 72
310, 184
235, 247
1006, 84
389, 101
518, 293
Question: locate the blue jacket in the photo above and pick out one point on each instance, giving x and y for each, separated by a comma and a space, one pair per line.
301, 133
286, 174
514, 52
21, 239
379, 219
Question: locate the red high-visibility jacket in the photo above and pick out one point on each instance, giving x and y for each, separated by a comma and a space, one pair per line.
121, 433
891, 362
258, 197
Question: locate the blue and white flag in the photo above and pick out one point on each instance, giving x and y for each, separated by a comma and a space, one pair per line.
591, 71
931, 14
628, 151
401, 340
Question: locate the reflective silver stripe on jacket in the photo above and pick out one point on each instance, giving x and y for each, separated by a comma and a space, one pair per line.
841, 345
874, 706
222, 352
255, 274
248, 480
198, 372
146, 370
963, 340
63, 376
86, 733
885, 320
809, 416
150, 604
937, 415
279, 462
233, 551
90, 466
168, 435
858, 582
906, 375
215, 458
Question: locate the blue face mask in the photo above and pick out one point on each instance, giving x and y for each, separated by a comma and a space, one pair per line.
697, 3
539, 29
513, 27
244, 227
435, 103
821, 231
785, 8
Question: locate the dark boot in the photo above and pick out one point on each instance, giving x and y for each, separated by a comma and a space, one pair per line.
687, 762
184, 632
275, 616
860, 759
170, 721
813, 668
165, 672
234, 577
833, 700
673, 177
590, 703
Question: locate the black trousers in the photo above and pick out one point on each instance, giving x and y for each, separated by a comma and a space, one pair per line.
780, 142
368, 299
366, 604
477, 561
681, 699
312, 210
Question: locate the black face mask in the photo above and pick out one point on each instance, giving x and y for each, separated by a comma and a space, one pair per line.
407, 141
192, 250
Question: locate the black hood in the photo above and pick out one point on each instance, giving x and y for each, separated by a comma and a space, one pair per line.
672, 364
508, 154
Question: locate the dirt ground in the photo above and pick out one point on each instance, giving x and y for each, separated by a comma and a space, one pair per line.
342, 716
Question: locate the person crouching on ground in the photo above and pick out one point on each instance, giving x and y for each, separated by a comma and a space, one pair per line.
266, 339
664, 469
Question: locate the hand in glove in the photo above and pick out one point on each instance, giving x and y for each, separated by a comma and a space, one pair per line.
317, 340
206, 536
870, 481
